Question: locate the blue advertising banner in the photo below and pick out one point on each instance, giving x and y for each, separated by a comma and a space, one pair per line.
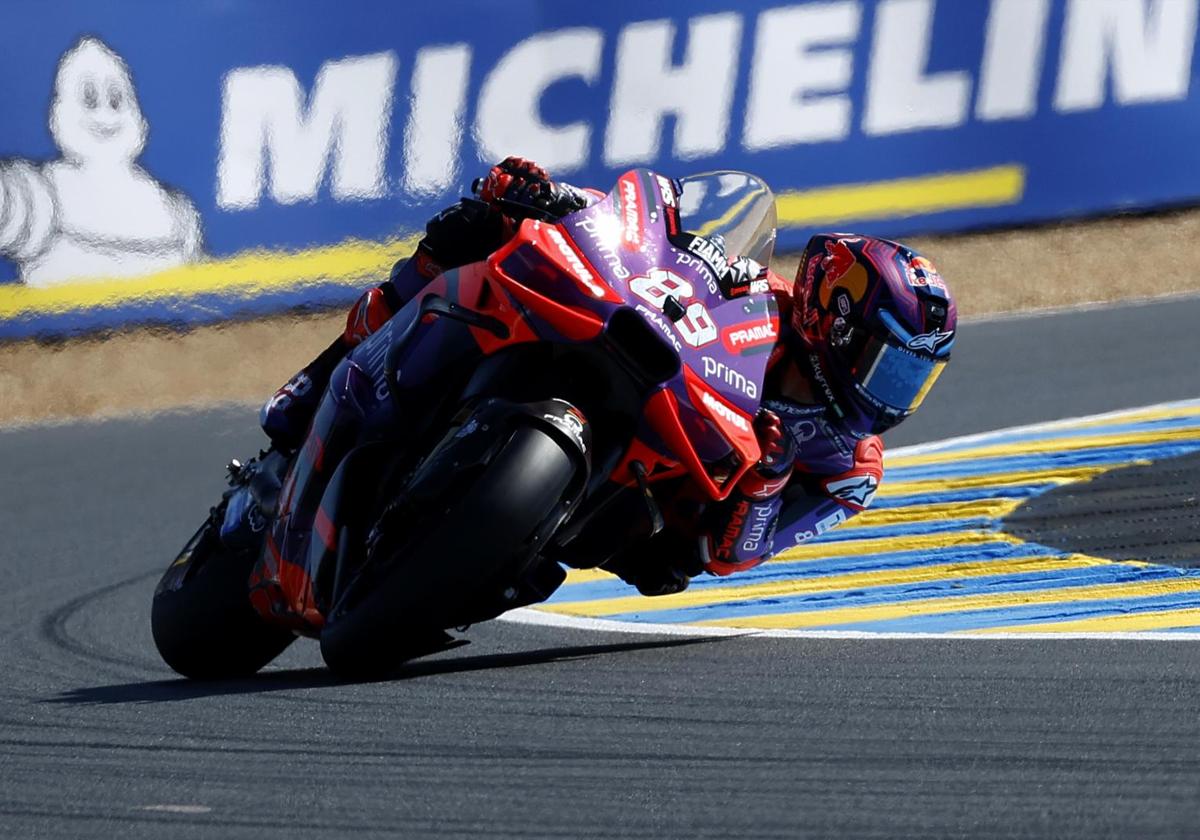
180, 163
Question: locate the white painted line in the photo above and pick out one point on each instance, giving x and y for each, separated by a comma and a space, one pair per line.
178, 809
532, 616
1044, 426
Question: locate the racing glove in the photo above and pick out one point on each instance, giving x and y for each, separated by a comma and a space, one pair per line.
520, 187
741, 529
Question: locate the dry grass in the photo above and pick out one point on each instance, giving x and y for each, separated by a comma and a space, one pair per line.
151, 370
1113, 259
1106, 260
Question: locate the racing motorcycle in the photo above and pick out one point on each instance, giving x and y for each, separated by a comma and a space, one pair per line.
524, 414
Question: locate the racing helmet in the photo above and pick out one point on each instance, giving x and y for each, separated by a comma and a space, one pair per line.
877, 321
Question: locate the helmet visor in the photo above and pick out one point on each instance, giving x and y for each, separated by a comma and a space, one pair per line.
895, 376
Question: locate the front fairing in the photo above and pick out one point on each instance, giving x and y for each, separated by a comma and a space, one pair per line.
564, 282
628, 236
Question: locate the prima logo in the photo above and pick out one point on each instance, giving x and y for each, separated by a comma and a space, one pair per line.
714, 369
604, 246
758, 540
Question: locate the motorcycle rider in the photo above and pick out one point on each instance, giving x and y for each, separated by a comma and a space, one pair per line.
866, 329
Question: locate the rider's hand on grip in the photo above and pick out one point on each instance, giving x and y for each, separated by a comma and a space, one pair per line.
519, 187
511, 178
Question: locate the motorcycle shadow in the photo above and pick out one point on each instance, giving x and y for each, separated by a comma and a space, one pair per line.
168, 691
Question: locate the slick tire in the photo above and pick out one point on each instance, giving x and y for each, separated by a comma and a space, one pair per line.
485, 531
206, 628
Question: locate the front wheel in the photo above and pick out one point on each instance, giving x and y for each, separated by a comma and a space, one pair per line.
485, 535
201, 617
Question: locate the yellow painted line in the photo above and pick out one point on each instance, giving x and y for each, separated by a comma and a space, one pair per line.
1123, 623
1035, 447
1055, 475
588, 575
252, 272
816, 585
952, 605
888, 545
876, 517
853, 548
993, 187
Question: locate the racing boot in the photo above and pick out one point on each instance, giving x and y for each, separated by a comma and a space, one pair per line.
662, 565
287, 415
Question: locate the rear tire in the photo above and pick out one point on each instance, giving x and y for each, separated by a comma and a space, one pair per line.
481, 540
206, 628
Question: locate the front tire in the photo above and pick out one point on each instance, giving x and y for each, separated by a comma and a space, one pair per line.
482, 539
201, 617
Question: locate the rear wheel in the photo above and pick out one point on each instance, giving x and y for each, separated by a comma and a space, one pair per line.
201, 617
482, 538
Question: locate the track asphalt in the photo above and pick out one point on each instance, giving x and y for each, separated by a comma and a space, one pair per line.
545, 732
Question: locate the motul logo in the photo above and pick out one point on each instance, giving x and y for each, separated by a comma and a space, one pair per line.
577, 267
629, 214
724, 412
748, 336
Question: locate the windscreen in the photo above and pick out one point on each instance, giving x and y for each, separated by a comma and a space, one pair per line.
738, 206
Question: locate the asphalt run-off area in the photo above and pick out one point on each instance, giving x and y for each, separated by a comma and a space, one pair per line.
1004, 644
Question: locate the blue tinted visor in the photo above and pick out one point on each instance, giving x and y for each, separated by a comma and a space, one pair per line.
894, 376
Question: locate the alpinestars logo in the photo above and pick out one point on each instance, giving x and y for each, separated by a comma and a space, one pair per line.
930, 341
857, 491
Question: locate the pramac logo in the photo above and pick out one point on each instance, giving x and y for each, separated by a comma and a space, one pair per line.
753, 335
630, 213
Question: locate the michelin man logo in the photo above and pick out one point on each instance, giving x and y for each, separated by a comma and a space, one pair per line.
93, 212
